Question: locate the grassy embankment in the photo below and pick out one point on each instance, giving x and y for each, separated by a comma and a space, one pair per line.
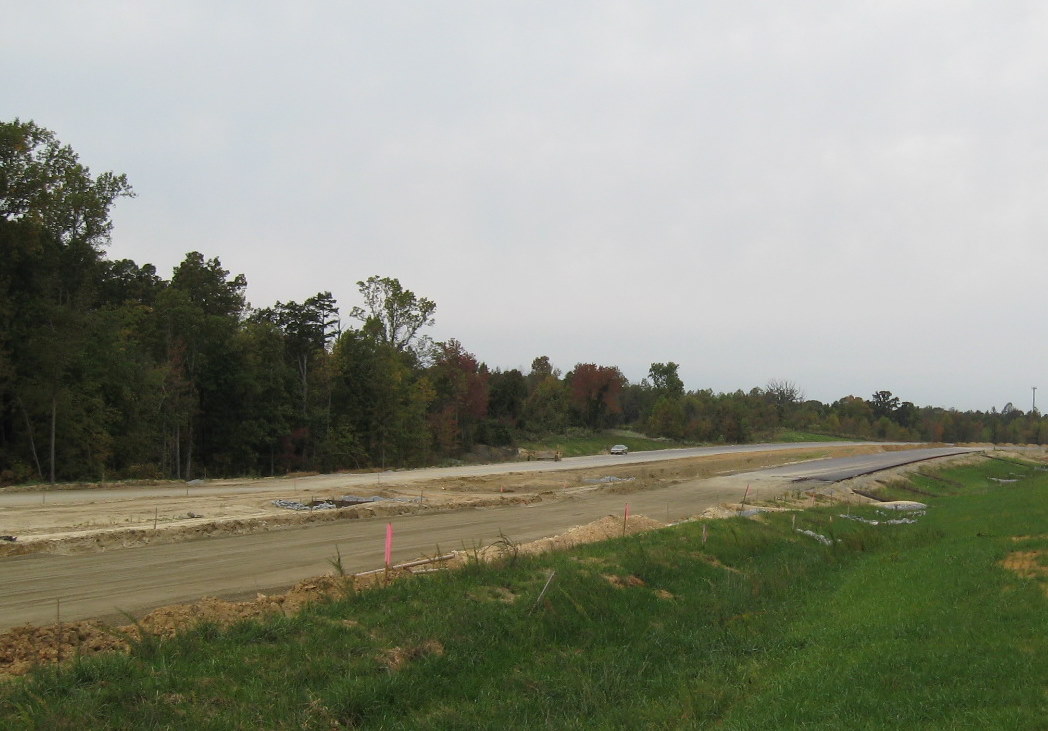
582, 445
595, 443
792, 435
755, 627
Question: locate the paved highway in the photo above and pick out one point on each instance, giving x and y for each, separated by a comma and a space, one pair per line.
835, 470
137, 579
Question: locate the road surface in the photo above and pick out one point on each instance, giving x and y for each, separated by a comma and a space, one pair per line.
135, 580
349, 482
836, 470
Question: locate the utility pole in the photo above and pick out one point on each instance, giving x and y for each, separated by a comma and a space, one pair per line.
1034, 409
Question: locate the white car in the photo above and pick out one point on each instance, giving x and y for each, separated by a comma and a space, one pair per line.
620, 449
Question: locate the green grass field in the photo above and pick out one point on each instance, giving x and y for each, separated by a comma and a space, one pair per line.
580, 445
738, 624
792, 435
585, 444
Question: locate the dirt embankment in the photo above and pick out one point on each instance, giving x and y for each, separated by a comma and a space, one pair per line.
26, 647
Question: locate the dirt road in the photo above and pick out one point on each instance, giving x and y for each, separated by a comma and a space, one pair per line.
103, 584
198, 489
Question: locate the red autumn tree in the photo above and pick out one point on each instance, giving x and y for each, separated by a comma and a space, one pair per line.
595, 394
461, 385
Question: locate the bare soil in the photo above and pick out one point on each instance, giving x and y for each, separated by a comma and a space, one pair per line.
100, 524
1030, 565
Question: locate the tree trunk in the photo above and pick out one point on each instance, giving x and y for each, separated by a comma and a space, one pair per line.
54, 414
32, 442
189, 452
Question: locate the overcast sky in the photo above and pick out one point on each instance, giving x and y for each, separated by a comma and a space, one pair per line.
852, 196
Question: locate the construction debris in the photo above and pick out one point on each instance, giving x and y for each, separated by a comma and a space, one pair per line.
345, 501
908, 505
867, 521
817, 536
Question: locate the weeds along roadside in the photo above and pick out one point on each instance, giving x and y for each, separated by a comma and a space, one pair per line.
756, 626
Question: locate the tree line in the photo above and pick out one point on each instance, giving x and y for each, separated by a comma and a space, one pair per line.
108, 370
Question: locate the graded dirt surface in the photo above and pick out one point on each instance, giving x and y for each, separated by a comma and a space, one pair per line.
248, 551
103, 518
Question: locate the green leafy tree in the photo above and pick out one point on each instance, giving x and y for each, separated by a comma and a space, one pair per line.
123, 282
854, 416
394, 315
54, 224
43, 185
508, 391
304, 332
665, 381
380, 401
546, 407
884, 405
202, 311
308, 328
732, 412
267, 397
667, 418
655, 403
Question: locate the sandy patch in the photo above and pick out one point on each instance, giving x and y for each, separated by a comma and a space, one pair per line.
1026, 564
1029, 565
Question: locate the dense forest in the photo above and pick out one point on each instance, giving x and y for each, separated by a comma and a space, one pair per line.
108, 370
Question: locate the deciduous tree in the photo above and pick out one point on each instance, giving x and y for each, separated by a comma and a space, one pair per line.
394, 315
460, 385
307, 328
665, 381
595, 393
884, 404
54, 223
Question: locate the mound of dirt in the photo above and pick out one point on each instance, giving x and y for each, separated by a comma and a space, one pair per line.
23, 648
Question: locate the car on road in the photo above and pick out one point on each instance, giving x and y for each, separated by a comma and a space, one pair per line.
620, 449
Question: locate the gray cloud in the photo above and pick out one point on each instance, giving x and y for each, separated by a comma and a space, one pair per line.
850, 197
